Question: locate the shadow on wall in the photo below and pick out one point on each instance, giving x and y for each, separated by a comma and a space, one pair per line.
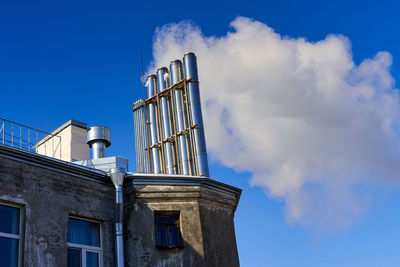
140, 235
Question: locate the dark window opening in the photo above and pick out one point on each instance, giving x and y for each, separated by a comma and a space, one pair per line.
74, 257
168, 234
9, 236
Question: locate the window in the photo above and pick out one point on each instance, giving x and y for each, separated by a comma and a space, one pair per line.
167, 230
9, 236
84, 244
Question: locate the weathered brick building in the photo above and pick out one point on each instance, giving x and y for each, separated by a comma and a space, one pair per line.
59, 213
60, 208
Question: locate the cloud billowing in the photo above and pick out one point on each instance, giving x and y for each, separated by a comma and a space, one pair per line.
312, 127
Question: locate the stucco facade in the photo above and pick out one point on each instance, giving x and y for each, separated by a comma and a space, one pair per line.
49, 191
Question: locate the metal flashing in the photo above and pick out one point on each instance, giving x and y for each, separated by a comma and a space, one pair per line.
104, 164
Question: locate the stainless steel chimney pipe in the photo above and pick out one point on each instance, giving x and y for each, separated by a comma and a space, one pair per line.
151, 85
163, 83
190, 66
176, 72
98, 138
117, 176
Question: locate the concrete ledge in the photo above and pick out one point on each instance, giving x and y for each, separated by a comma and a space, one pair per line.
53, 164
59, 129
158, 187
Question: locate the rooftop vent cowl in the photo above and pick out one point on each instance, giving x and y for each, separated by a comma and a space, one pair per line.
98, 138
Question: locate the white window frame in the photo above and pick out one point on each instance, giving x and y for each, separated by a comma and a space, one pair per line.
84, 248
13, 236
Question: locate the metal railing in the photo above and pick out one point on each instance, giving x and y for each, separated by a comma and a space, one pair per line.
30, 139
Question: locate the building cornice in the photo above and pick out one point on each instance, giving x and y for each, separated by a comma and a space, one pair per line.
52, 164
131, 179
135, 179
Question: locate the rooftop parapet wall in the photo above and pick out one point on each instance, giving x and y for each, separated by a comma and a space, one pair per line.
72, 144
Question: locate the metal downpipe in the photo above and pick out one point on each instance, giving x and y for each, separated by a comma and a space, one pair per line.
117, 176
176, 76
190, 66
163, 83
155, 152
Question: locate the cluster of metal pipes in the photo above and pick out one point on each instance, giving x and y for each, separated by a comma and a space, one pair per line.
142, 160
173, 138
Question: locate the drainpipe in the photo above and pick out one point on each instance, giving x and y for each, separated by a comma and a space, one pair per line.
117, 176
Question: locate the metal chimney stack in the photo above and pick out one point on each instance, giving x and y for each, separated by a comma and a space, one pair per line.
181, 117
190, 66
163, 83
171, 131
98, 138
151, 85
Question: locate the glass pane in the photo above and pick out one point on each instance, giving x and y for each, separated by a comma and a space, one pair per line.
8, 252
9, 222
168, 220
173, 235
83, 232
161, 235
74, 257
92, 259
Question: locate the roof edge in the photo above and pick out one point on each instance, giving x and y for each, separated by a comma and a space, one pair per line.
54, 164
181, 180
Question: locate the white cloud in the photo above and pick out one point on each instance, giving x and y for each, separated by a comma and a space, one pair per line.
311, 126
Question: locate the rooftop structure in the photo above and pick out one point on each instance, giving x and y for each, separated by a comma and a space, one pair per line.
169, 127
59, 207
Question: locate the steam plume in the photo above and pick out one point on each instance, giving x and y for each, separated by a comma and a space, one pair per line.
312, 127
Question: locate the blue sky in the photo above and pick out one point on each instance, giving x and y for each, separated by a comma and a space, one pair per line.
81, 59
